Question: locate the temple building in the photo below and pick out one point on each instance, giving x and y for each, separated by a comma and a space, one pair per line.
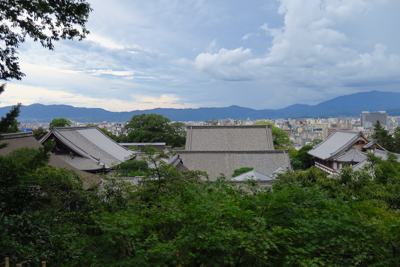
343, 148
26, 139
87, 148
222, 149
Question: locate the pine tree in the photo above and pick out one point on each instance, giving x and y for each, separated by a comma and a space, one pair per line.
8, 123
381, 135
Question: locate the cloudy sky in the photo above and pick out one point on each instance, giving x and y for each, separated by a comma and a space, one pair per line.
208, 53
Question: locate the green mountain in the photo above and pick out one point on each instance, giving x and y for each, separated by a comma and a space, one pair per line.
343, 106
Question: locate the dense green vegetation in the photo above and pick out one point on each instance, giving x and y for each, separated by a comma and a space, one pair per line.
175, 218
388, 141
60, 122
133, 168
155, 128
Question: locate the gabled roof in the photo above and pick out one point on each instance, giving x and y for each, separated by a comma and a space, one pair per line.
379, 153
91, 143
334, 144
26, 139
229, 138
353, 155
372, 143
252, 175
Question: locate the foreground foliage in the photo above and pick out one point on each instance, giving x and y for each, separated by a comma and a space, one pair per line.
176, 218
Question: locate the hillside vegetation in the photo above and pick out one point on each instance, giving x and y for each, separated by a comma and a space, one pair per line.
175, 218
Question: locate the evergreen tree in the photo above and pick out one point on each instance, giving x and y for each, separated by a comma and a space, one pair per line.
381, 135
396, 140
8, 124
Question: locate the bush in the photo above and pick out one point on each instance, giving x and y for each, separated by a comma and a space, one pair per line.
132, 166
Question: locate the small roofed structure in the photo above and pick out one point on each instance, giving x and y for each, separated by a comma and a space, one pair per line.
343, 148
87, 148
26, 139
222, 149
255, 175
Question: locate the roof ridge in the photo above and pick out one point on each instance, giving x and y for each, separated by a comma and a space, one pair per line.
326, 139
73, 127
98, 129
346, 144
16, 135
55, 130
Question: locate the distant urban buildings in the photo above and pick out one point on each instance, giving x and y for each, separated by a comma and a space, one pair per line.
368, 119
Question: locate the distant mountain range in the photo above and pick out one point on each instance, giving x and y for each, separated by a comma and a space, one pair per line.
343, 106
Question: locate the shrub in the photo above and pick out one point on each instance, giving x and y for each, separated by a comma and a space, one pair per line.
127, 167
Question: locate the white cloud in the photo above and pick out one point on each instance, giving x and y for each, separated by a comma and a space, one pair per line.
226, 65
28, 95
246, 36
308, 50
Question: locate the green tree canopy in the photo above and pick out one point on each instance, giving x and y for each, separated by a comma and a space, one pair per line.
9, 124
281, 138
381, 135
60, 122
45, 21
396, 140
155, 128
39, 133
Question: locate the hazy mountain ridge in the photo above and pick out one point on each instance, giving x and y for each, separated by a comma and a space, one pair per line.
349, 105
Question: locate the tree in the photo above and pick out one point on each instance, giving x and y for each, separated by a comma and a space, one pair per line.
60, 122
8, 123
39, 133
305, 159
177, 134
148, 128
281, 138
45, 21
396, 140
381, 135
155, 128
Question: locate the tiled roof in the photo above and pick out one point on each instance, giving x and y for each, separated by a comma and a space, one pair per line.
253, 175
26, 139
371, 144
229, 138
216, 163
92, 144
353, 155
335, 143
379, 153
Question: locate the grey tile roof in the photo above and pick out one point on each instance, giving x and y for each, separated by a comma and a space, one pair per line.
225, 162
360, 165
92, 144
16, 135
335, 143
142, 144
229, 138
253, 175
371, 143
353, 155
19, 140
84, 164
379, 153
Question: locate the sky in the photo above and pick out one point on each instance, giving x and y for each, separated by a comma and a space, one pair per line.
206, 53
